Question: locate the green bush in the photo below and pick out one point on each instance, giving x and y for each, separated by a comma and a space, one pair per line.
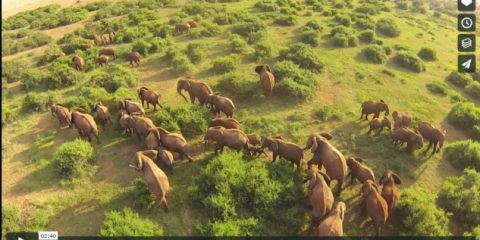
365, 23
252, 30
303, 55
263, 50
410, 62
226, 64
72, 158
128, 35
141, 46
112, 10
158, 44
31, 40
114, 77
286, 20
195, 52
313, 25
239, 196
37, 101
190, 120
238, 45
94, 6
474, 233
388, 27
128, 223
473, 89
466, 116
139, 15
464, 154
181, 64
367, 36
13, 70
49, 55
375, 54
419, 215
33, 78
266, 6
328, 113
294, 81
438, 87
61, 74
340, 40
207, 29
11, 218
343, 20
340, 29
369, 9
230, 17
236, 84
310, 37
428, 54
143, 196
460, 195
459, 79
87, 97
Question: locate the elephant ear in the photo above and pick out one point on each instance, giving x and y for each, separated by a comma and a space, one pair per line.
382, 179
374, 185
314, 144
258, 69
396, 179
313, 181
274, 145
381, 100
155, 132
327, 136
325, 177
268, 68
358, 159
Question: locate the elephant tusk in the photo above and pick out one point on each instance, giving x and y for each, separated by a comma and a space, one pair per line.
305, 180
132, 166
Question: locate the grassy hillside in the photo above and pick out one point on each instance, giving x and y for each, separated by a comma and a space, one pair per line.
330, 101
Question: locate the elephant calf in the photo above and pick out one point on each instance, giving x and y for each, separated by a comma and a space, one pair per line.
232, 138
165, 158
374, 204
196, 90
149, 96
290, 151
266, 79
124, 123
171, 141
134, 58
403, 119
103, 115
332, 225
375, 108
63, 115
359, 171
390, 190
376, 123
102, 60
228, 123
254, 139
155, 179
255, 150
433, 135
85, 124
131, 107
140, 125
412, 138
321, 196
221, 104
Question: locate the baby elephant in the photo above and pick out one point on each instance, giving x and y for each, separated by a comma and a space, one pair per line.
332, 225
390, 190
403, 119
321, 196
433, 135
255, 150
380, 124
254, 139
405, 135
359, 171
290, 151
374, 204
165, 158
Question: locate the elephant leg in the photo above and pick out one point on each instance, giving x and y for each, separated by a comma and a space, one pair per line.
274, 157
192, 98
339, 187
138, 137
369, 130
377, 228
165, 204
366, 116
98, 139
217, 147
361, 116
154, 107
435, 144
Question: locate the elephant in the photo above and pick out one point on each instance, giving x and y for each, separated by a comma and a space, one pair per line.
255, 150
131, 107
192, 24
134, 58
105, 38
332, 225
155, 179
409, 136
78, 62
58, 55
62, 113
376, 123
266, 79
320, 194
324, 154
102, 60
376, 108
85, 46
165, 158
85, 124
374, 204
103, 115
254, 139
141, 125
433, 135
149, 96
279, 147
359, 171
389, 191
124, 123
228, 123
232, 138
182, 28
111, 36
403, 119
97, 40
109, 51
173, 142
221, 104
196, 90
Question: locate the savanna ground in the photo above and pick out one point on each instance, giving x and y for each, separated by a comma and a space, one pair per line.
348, 79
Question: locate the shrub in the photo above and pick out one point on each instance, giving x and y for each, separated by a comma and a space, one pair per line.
313, 25
464, 154
238, 45
181, 64
339, 29
61, 74
310, 37
367, 36
231, 17
13, 70
130, 34
139, 15
419, 215
328, 113
388, 27
31, 40
286, 20
111, 11
438, 87
37, 101
303, 55
252, 30
225, 64
263, 50
143, 196
294, 81
266, 6
158, 44
114, 77
466, 116
10, 218
128, 223
191, 120
460, 195
343, 20
365, 23
33, 78
49, 55
410, 62
367, 9
375, 54
437, 14
239, 195
141, 46
237, 84
459, 79
195, 52
427, 54
340, 40
71, 158
207, 29
473, 89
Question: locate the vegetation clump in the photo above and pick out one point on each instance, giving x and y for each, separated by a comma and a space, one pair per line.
375, 54
428, 54
128, 223
466, 116
72, 158
464, 154
190, 120
410, 62
388, 27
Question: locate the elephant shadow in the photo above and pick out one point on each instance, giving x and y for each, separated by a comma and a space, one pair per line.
80, 218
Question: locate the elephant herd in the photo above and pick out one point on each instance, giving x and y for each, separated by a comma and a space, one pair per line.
184, 27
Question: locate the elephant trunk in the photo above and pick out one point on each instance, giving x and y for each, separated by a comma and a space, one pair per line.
179, 91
